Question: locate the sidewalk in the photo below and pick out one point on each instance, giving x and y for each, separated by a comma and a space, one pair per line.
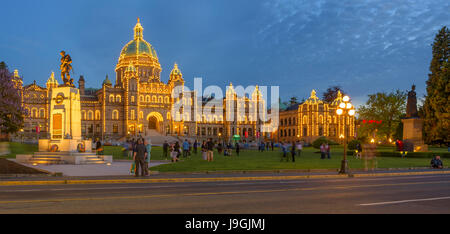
103, 174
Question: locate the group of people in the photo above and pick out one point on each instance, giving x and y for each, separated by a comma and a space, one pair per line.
140, 151
265, 145
295, 148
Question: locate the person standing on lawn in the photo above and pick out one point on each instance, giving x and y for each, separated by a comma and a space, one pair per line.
299, 147
210, 148
148, 146
237, 148
204, 151
293, 151
195, 146
328, 147
185, 148
323, 151
165, 149
140, 154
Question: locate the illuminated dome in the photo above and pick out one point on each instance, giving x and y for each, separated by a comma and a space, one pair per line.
138, 46
143, 57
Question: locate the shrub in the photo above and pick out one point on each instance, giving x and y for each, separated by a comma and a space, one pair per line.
352, 144
318, 142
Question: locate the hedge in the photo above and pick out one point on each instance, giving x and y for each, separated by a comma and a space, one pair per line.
414, 154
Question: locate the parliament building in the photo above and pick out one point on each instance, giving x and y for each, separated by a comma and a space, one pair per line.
139, 103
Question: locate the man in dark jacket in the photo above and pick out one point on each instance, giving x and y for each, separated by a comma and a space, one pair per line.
140, 154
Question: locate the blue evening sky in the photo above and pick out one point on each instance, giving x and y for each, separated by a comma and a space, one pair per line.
363, 46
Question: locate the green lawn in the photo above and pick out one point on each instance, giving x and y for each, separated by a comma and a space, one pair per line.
254, 160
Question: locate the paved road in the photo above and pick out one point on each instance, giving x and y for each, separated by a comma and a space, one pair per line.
400, 194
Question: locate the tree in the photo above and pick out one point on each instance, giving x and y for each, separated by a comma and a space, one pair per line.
436, 108
331, 93
293, 101
11, 111
385, 107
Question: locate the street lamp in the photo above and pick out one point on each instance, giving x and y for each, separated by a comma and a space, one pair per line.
345, 109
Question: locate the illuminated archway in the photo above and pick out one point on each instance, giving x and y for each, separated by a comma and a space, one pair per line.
155, 121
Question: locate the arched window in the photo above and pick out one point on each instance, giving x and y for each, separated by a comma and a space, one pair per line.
147, 98
166, 99
118, 98
41, 113
141, 98
141, 115
97, 115
34, 113
91, 115
83, 115
115, 114
111, 98
305, 119
154, 100
160, 99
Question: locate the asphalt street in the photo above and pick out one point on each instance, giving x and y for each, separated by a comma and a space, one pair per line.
421, 194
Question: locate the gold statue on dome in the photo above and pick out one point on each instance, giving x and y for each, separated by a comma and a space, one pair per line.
66, 67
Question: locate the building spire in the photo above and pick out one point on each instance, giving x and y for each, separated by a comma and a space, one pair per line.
138, 30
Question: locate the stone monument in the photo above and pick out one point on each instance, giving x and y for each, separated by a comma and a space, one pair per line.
65, 144
412, 125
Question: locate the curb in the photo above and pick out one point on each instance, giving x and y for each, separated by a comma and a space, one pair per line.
181, 180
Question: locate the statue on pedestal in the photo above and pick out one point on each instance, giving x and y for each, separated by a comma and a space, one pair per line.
411, 104
66, 67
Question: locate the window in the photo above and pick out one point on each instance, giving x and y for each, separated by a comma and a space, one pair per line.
115, 115
166, 99
111, 98
115, 128
160, 99
147, 98
42, 113
83, 115
132, 115
141, 98
118, 98
90, 115
132, 98
97, 115
141, 115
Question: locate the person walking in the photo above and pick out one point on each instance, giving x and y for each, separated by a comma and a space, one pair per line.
98, 147
165, 149
210, 148
148, 146
185, 148
140, 154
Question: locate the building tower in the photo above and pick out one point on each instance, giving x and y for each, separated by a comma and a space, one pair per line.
81, 85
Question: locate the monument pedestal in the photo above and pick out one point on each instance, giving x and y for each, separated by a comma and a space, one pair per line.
412, 135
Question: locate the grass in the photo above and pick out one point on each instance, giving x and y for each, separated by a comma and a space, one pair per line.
254, 160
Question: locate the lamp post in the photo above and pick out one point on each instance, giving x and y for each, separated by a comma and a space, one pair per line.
345, 109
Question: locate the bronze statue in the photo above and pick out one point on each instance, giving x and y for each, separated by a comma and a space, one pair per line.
66, 67
411, 104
